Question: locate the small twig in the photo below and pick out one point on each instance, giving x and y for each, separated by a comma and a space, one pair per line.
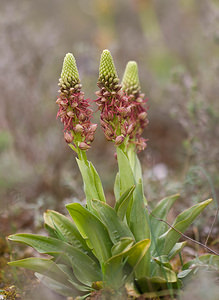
182, 234
212, 225
214, 196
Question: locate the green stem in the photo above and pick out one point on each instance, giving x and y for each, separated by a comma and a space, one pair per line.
82, 156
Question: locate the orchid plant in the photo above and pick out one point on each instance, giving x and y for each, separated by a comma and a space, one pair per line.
121, 250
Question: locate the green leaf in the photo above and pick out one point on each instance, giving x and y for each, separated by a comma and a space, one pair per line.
159, 282
85, 269
43, 266
133, 255
125, 172
117, 187
92, 184
135, 164
67, 230
42, 244
56, 286
89, 185
137, 252
116, 228
167, 241
207, 260
123, 245
176, 249
164, 272
184, 273
138, 223
93, 229
161, 211
98, 183
113, 273
72, 279
163, 260
138, 220
123, 202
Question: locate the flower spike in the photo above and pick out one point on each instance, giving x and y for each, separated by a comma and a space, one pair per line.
74, 110
108, 77
123, 116
130, 81
69, 76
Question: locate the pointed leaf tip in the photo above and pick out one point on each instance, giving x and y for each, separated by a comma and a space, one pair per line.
69, 73
130, 81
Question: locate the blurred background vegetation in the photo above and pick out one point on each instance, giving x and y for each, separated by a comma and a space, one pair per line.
176, 44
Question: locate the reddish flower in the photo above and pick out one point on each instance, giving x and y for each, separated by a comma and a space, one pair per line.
74, 111
123, 116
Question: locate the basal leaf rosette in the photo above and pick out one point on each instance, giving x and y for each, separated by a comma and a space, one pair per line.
74, 110
123, 116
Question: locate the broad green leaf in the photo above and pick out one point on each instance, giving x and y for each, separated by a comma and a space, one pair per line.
79, 287
138, 223
123, 245
52, 233
113, 273
72, 279
43, 266
92, 183
116, 263
138, 220
42, 244
157, 283
117, 187
67, 229
166, 293
161, 271
123, 202
135, 164
116, 228
56, 286
184, 273
89, 184
167, 241
176, 249
137, 252
93, 229
163, 260
98, 183
161, 211
85, 269
125, 172
207, 260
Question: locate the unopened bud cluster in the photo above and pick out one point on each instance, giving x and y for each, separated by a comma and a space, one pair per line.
122, 113
74, 110
130, 81
108, 78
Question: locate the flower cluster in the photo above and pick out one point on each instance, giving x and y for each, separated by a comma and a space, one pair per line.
123, 116
74, 110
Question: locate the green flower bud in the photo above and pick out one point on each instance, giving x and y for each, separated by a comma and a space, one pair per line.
108, 77
69, 76
130, 81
